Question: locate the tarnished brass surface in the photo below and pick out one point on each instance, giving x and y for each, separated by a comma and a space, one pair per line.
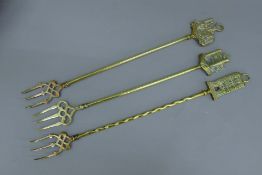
228, 84
210, 62
203, 31
214, 61
49, 89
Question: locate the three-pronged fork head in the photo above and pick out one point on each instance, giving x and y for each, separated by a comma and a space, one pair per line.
64, 113
204, 30
61, 141
48, 90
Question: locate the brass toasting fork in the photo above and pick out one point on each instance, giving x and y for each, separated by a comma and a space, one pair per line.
203, 31
216, 89
210, 62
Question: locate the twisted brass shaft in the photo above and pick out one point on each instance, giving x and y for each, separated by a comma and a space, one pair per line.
144, 114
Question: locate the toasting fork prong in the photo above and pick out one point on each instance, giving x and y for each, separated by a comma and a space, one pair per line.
48, 118
50, 136
55, 153
45, 101
39, 85
53, 125
45, 111
35, 96
51, 145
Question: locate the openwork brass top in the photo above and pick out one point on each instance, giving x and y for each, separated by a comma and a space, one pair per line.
204, 30
214, 61
227, 84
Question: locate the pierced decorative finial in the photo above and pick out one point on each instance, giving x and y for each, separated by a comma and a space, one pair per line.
227, 84
204, 31
214, 61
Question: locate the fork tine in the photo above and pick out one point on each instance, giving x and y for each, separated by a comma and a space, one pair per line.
37, 104
41, 158
35, 96
39, 85
42, 138
51, 145
51, 126
45, 110
48, 118
55, 153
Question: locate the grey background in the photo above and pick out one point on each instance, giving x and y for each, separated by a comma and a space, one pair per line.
58, 39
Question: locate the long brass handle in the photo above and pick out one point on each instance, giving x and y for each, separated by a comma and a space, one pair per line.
139, 88
210, 62
203, 31
126, 60
216, 89
141, 115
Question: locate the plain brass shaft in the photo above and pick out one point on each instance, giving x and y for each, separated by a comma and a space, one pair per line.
127, 60
139, 88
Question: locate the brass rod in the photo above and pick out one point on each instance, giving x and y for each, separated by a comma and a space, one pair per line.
127, 60
144, 114
139, 88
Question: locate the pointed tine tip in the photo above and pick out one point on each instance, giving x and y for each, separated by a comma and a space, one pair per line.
35, 149
29, 107
26, 91
32, 106
55, 153
51, 126
41, 158
27, 98
42, 138
34, 96
36, 114
23, 92
45, 128
48, 118
39, 121
35, 140
42, 129
45, 110
43, 147
32, 141
32, 88
36, 104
